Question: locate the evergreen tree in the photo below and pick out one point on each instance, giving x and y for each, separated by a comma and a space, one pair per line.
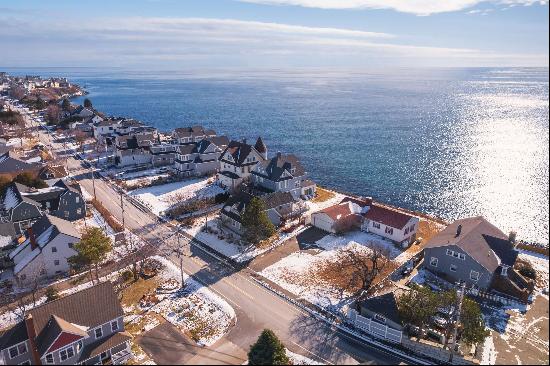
268, 350
65, 104
92, 249
87, 103
473, 329
256, 224
27, 179
52, 294
417, 306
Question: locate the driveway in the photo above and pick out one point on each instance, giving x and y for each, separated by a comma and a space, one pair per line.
167, 345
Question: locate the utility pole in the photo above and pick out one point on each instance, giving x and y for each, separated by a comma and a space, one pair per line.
122, 207
460, 297
93, 180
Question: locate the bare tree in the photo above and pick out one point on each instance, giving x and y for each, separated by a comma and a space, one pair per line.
363, 267
80, 137
52, 112
133, 247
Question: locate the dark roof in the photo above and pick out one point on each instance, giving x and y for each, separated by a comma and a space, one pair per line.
480, 239
14, 335
241, 199
192, 131
51, 331
274, 168
10, 163
90, 307
220, 141
239, 151
7, 229
385, 305
104, 344
58, 171
387, 216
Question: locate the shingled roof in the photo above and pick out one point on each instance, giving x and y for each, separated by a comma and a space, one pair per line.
387, 216
274, 168
480, 239
239, 151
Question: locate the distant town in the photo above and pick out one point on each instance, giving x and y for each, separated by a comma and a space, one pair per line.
118, 240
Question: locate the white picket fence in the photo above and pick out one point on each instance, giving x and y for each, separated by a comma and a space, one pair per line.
376, 329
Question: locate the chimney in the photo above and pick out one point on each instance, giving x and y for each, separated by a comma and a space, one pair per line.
512, 238
458, 231
31, 333
32, 238
244, 140
279, 154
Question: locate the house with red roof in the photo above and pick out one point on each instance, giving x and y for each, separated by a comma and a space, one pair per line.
338, 218
390, 224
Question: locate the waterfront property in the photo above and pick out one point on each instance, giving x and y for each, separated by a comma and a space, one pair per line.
86, 327
280, 208
45, 252
338, 218
390, 224
476, 252
133, 149
200, 158
189, 135
282, 173
237, 162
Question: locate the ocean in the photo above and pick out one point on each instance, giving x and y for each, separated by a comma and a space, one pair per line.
448, 142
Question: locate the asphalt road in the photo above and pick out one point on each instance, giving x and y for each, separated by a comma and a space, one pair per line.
256, 307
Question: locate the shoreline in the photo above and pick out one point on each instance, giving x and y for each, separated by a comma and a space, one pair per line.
408, 210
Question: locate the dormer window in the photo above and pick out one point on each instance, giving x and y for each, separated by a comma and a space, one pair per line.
504, 271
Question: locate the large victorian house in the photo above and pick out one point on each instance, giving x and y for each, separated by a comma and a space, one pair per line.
238, 161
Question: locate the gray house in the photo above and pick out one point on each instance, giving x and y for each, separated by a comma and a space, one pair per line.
18, 209
280, 206
200, 158
283, 173
86, 327
63, 199
476, 252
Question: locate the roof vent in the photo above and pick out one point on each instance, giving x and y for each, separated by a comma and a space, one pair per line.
458, 230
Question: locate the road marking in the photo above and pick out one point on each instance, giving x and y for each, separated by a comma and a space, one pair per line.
314, 354
224, 280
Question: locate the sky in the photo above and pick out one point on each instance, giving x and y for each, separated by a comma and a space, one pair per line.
273, 34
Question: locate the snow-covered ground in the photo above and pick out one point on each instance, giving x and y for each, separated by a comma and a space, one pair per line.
296, 272
230, 248
369, 240
540, 264
297, 359
162, 197
196, 309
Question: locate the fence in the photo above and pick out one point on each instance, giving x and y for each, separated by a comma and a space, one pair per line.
375, 328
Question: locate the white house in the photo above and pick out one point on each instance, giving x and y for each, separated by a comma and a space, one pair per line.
390, 224
46, 250
338, 218
237, 163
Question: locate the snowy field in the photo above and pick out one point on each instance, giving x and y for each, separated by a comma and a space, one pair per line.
296, 272
160, 198
230, 248
196, 309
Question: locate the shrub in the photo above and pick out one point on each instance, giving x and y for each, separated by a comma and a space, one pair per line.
527, 270
52, 294
221, 197
110, 219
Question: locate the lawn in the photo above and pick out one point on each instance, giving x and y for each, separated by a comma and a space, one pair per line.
322, 195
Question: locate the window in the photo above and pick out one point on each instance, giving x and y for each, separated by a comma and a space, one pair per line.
79, 346
49, 358
411, 229
77, 199
379, 318
453, 267
504, 271
66, 213
450, 252
114, 326
66, 353
70, 245
17, 350
433, 261
389, 230
474, 275
98, 332
78, 211
376, 225
56, 262
54, 250
462, 256
406, 231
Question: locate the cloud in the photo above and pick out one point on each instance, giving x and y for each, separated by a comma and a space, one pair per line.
196, 42
418, 7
